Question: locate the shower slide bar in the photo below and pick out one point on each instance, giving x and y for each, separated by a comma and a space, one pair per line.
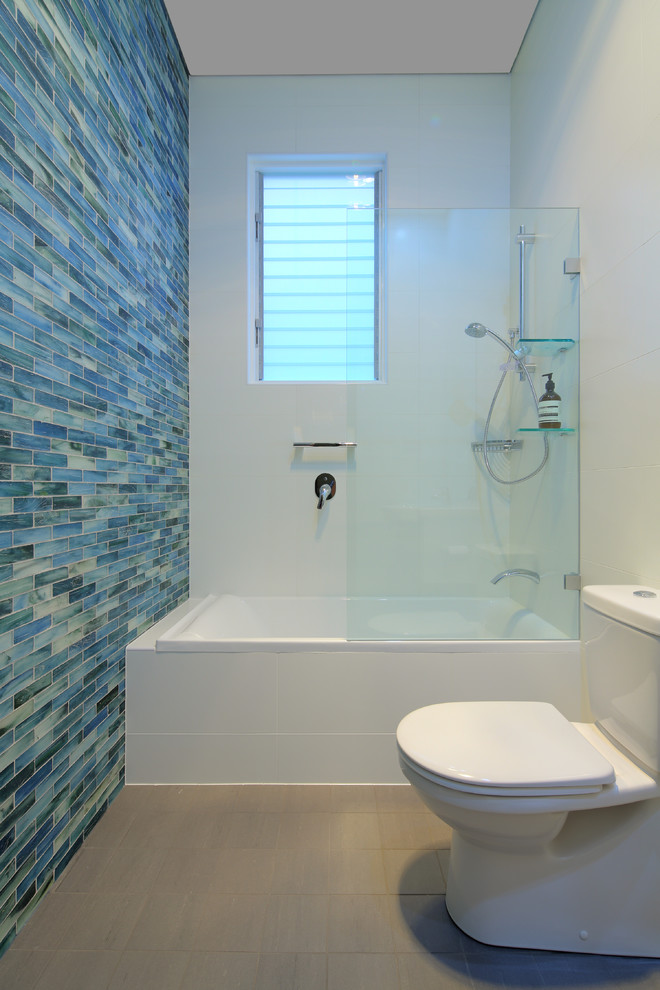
342, 443
505, 445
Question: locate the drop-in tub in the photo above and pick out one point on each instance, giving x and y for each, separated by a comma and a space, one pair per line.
230, 623
233, 689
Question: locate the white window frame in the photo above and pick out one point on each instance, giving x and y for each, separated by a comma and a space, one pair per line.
258, 164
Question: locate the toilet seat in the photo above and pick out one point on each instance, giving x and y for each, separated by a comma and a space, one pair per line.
517, 748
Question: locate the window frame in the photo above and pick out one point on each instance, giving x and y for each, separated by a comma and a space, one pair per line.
374, 164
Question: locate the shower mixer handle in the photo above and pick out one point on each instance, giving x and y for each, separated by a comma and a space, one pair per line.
324, 495
325, 487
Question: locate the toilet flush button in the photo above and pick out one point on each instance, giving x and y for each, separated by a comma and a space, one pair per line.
584, 935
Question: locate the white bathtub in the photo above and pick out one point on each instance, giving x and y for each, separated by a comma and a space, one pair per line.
270, 690
229, 623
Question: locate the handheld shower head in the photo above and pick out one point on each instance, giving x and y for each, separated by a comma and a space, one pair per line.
479, 330
476, 330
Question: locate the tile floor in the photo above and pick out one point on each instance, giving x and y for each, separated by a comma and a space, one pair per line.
267, 887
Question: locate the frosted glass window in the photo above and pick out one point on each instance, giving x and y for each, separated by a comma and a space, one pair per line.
318, 275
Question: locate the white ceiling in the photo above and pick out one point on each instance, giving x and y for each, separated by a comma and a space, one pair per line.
333, 37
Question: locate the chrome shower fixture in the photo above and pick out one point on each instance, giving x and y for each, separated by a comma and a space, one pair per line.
478, 330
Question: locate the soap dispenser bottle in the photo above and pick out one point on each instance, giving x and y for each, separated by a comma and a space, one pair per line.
549, 406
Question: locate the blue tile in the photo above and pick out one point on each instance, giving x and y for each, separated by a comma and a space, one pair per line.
31, 535
81, 340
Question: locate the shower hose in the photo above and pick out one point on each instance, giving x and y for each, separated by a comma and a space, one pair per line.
546, 447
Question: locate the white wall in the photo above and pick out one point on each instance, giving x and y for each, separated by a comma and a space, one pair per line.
585, 120
255, 528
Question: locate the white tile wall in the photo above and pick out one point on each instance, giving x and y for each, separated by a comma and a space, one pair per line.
255, 528
586, 132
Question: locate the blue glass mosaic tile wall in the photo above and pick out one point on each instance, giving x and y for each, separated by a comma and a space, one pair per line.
93, 403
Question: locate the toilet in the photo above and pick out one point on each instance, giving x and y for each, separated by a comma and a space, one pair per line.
556, 841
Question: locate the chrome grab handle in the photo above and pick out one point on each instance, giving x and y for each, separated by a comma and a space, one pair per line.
342, 443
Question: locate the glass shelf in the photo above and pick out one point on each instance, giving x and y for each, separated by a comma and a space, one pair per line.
562, 431
545, 345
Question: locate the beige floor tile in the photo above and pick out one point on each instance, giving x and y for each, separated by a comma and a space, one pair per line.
198, 829
292, 971
356, 871
131, 869
22, 968
362, 971
154, 828
443, 859
83, 871
412, 830
307, 797
158, 908
165, 923
398, 797
71, 970
304, 830
220, 871
227, 922
51, 920
111, 829
421, 924
441, 833
192, 797
161, 829
425, 971
359, 923
240, 871
220, 971
300, 871
184, 871
508, 971
245, 830
572, 969
149, 971
295, 923
103, 921
354, 830
259, 797
413, 871
200, 922
353, 797
135, 797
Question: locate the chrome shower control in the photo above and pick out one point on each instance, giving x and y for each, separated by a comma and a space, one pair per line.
325, 487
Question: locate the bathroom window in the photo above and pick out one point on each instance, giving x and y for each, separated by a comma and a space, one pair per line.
317, 239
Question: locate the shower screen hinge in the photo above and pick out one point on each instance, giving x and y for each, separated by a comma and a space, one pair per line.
572, 266
572, 582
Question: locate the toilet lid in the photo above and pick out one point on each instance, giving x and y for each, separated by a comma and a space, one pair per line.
493, 745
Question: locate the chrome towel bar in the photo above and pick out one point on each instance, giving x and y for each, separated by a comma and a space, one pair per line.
343, 443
